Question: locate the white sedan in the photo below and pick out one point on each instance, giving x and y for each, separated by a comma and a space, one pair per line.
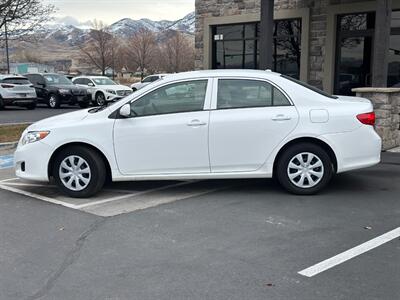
205, 125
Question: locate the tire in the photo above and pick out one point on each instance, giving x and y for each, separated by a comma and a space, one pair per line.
54, 101
88, 165
83, 104
100, 99
313, 173
31, 106
1, 104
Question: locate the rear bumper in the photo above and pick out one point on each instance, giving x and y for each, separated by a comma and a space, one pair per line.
19, 101
357, 149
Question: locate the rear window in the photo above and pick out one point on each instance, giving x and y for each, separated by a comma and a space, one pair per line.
19, 81
310, 87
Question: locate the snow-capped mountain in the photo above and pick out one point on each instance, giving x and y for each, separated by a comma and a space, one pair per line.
127, 27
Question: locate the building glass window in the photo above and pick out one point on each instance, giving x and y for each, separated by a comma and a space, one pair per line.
354, 52
287, 47
394, 52
236, 46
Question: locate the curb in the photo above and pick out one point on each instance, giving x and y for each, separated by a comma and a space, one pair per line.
16, 124
8, 146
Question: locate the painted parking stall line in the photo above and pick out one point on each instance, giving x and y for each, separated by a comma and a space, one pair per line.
351, 253
113, 201
6, 162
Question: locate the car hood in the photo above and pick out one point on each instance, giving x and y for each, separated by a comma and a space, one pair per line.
115, 87
59, 120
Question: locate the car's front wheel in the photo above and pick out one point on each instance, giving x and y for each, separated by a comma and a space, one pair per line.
79, 172
100, 99
304, 169
54, 101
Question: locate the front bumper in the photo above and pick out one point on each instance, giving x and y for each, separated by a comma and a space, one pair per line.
72, 99
32, 160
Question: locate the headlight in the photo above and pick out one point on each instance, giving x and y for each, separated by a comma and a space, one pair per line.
64, 91
34, 136
111, 92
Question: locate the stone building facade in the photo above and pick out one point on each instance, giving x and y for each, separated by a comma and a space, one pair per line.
319, 36
327, 43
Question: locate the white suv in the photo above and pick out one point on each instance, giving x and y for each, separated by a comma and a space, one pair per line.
102, 89
146, 81
18, 91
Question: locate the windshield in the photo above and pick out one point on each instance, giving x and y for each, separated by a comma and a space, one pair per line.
310, 87
54, 79
16, 80
103, 81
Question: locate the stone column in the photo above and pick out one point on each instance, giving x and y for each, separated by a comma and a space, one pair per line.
386, 106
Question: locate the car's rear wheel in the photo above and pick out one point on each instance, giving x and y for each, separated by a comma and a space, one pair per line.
79, 172
54, 101
304, 169
100, 99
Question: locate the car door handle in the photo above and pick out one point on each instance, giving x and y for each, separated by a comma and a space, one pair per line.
196, 123
281, 118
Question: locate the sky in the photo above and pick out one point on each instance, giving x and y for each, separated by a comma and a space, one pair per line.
110, 11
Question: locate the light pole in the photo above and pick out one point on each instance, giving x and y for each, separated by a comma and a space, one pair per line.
7, 52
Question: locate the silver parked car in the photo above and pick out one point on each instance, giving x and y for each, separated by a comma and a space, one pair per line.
17, 90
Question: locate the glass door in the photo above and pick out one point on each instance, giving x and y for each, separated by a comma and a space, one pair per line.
354, 52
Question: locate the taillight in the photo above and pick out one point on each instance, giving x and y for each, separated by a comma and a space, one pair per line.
7, 86
367, 118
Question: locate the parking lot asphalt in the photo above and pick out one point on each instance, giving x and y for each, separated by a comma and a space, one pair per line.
12, 115
243, 239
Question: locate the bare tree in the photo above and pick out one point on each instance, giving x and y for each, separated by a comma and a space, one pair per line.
178, 53
141, 49
23, 17
100, 49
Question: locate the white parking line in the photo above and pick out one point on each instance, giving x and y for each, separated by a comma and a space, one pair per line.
39, 197
133, 194
28, 184
351, 253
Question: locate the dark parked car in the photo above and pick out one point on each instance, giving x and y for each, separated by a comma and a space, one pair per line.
56, 89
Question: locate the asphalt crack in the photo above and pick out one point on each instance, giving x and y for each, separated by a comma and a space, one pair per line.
69, 259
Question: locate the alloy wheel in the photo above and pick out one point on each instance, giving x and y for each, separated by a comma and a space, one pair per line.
53, 101
100, 99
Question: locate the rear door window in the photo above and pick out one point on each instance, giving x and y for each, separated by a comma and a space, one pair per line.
17, 81
244, 93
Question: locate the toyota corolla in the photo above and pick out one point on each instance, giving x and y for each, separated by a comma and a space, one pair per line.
205, 125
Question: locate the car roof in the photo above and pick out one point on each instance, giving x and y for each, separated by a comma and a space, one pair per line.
223, 73
92, 77
5, 76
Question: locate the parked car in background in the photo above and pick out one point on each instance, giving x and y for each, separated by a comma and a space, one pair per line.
146, 81
16, 90
56, 89
102, 89
206, 125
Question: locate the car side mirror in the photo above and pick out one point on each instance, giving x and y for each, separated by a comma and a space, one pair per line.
42, 84
90, 84
125, 111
